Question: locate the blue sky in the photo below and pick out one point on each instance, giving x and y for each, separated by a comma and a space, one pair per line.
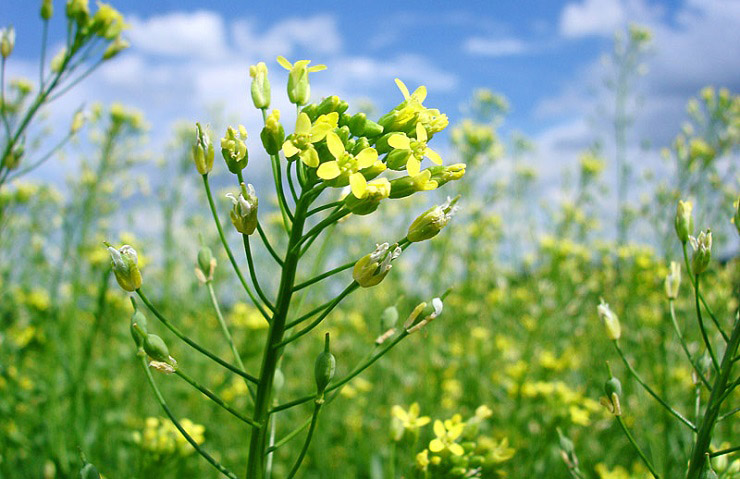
545, 56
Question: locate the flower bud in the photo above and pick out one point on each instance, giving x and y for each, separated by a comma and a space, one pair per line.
155, 348
673, 281
125, 267
203, 152
299, 90
78, 10
408, 185
273, 134
357, 124
684, 221
702, 246
47, 9
375, 192
7, 41
78, 121
444, 174
372, 268
107, 22
234, 150
57, 62
324, 367
328, 105
117, 46
260, 86
206, 265
431, 222
244, 212
138, 328
613, 386
611, 321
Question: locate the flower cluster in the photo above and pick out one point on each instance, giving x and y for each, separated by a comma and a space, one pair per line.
161, 439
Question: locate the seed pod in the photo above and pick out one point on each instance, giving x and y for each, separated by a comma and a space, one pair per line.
324, 367
613, 386
138, 328
47, 9
89, 471
156, 348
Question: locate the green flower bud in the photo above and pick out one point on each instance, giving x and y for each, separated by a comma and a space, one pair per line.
444, 174
611, 321
273, 134
673, 281
138, 328
431, 222
203, 153
57, 62
117, 46
78, 10
684, 222
408, 185
360, 144
107, 22
125, 267
613, 386
260, 86
299, 89
372, 129
312, 111
156, 348
324, 367
372, 268
397, 159
7, 41
375, 192
244, 212
47, 9
328, 105
89, 471
702, 246
206, 265
342, 107
234, 150
357, 124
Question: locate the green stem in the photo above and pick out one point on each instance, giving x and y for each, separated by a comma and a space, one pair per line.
701, 326
42, 57
290, 181
41, 160
179, 427
314, 420
316, 230
327, 206
306, 316
267, 244
253, 273
722, 452
650, 391
190, 342
729, 414
288, 217
225, 244
701, 296
213, 397
329, 273
289, 436
685, 348
637, 448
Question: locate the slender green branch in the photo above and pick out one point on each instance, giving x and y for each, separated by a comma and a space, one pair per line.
728, 414
704, 336
268, 245
288, 217
647, 388
316, 230
43, 159
701, 296
225, 244
213, 397
289, 436
179, 427
308, 315
722, 452
329, 273
2, 99
327, 206
729, 390
77, 80
637, 448
227, 334
290, 181
314, 420
347, 291
253, 274
192, 343
685, 348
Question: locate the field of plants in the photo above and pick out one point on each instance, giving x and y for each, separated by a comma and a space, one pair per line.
367, 307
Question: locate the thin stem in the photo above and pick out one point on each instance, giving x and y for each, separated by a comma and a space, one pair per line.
729, 414
213, 397
227, 334
2, 103
182, 430
77, 80
701, 296
637, 448
329, 273
268, 245
701, 326
327, 206
722, 452
225, 244
314, 420
311, 313
253, 274
289, 436
43, 159
288, 217
647, 388
290, 181
192, 343
42, 59
685, 348
316, 230
347, 291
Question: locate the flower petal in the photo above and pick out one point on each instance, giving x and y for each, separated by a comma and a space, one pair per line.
317, 68
402, 87
336, 147
358, 184
421, 133
420, 94
366, 158
413, 166
456, 449
439, 429
289, 149
433, 155
399, 141
455, 431
423, 421
328, 170
436, 445
284, 63
310, 157
303, 124
319, 131
397, 411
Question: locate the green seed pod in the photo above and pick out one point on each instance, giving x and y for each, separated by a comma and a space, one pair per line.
89, 471
613, 386
357, 124
372, 129
156, 348
324, 367
125, 267
205, 255
372, 268
138, 328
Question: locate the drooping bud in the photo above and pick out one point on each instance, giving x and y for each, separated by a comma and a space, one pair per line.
203, 153
47, 9
673, 280
299, 89
324, 367
107, 22
375, 192
138, 328
7, 41
611, 321
273, 134
260, 86
431, 222
125, 267
684, 221
244, 212
234, 150
702, 246
444, 174
372, 268
117, 46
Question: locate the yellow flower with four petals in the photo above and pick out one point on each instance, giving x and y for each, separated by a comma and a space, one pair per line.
447, 432
348, 165
416, 149
306, 134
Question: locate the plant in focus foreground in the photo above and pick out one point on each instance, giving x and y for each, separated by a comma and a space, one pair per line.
328, 149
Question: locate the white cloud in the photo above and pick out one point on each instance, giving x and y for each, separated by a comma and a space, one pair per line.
180, 34
318, 34
495, 47
591, 17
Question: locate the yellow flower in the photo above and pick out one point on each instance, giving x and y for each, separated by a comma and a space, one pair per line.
422, 459
410, 419
298, 87
415, 150
348, 165
446, 434
301, 141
